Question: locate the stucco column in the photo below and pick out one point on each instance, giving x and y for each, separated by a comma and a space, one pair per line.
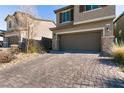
107, 42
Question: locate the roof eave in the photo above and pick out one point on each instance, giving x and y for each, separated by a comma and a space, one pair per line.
63, 8
117, 18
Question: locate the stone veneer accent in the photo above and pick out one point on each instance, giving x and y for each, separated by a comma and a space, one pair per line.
106, 44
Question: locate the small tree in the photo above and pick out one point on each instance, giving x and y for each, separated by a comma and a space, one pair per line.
29, 11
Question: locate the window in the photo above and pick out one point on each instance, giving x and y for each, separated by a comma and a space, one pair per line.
66, 16
88, 7
95, 6
10, 24
91, 7
83, 8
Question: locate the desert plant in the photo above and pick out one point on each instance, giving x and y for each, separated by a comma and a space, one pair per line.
122, 68
14, 49
6, 57
117, 52
36, 47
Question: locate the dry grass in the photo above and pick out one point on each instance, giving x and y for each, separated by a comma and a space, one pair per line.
21, 57
5, 57
122, 68
117, 51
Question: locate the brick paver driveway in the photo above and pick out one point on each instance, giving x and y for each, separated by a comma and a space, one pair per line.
63, 70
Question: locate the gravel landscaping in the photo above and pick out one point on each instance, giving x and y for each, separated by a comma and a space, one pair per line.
18, 58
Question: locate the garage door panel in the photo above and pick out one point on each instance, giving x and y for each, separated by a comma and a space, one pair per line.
89, 41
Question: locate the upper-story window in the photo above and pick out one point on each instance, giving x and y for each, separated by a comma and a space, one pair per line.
66, 16
83, 8
91, 7
10, 24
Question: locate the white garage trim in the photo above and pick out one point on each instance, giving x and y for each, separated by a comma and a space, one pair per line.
83, 30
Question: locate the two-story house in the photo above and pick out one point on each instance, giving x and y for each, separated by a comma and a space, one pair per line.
21, 26
86, 28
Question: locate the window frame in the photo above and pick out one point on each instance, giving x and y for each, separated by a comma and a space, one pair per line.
92, 9
91, 6
65, 16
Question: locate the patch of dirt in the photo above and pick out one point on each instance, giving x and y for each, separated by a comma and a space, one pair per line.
21, 57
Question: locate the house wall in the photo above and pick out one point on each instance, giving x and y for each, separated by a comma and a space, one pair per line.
12, 33
93, 14
82, 17
39, 29
18, 22
119, 29
91, 25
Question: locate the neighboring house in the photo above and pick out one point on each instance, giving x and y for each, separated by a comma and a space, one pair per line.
18, 25
1, 37
119, 28
84, 28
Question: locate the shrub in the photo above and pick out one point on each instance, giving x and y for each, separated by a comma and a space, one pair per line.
14, 49
122, 68
36, 48
5, 57
117, 51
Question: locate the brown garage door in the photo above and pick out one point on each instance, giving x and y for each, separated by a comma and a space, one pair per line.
86, 41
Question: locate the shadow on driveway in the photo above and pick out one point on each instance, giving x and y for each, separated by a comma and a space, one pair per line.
107, 61
114, 83
72, 52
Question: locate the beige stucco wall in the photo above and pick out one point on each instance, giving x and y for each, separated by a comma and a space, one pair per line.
40, 29
89, 15
118, 26
91, 25
18, 22
12, 33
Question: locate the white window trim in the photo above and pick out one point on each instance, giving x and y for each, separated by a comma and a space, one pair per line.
65, 22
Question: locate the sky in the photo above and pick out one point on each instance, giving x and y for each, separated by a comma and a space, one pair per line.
43, 12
